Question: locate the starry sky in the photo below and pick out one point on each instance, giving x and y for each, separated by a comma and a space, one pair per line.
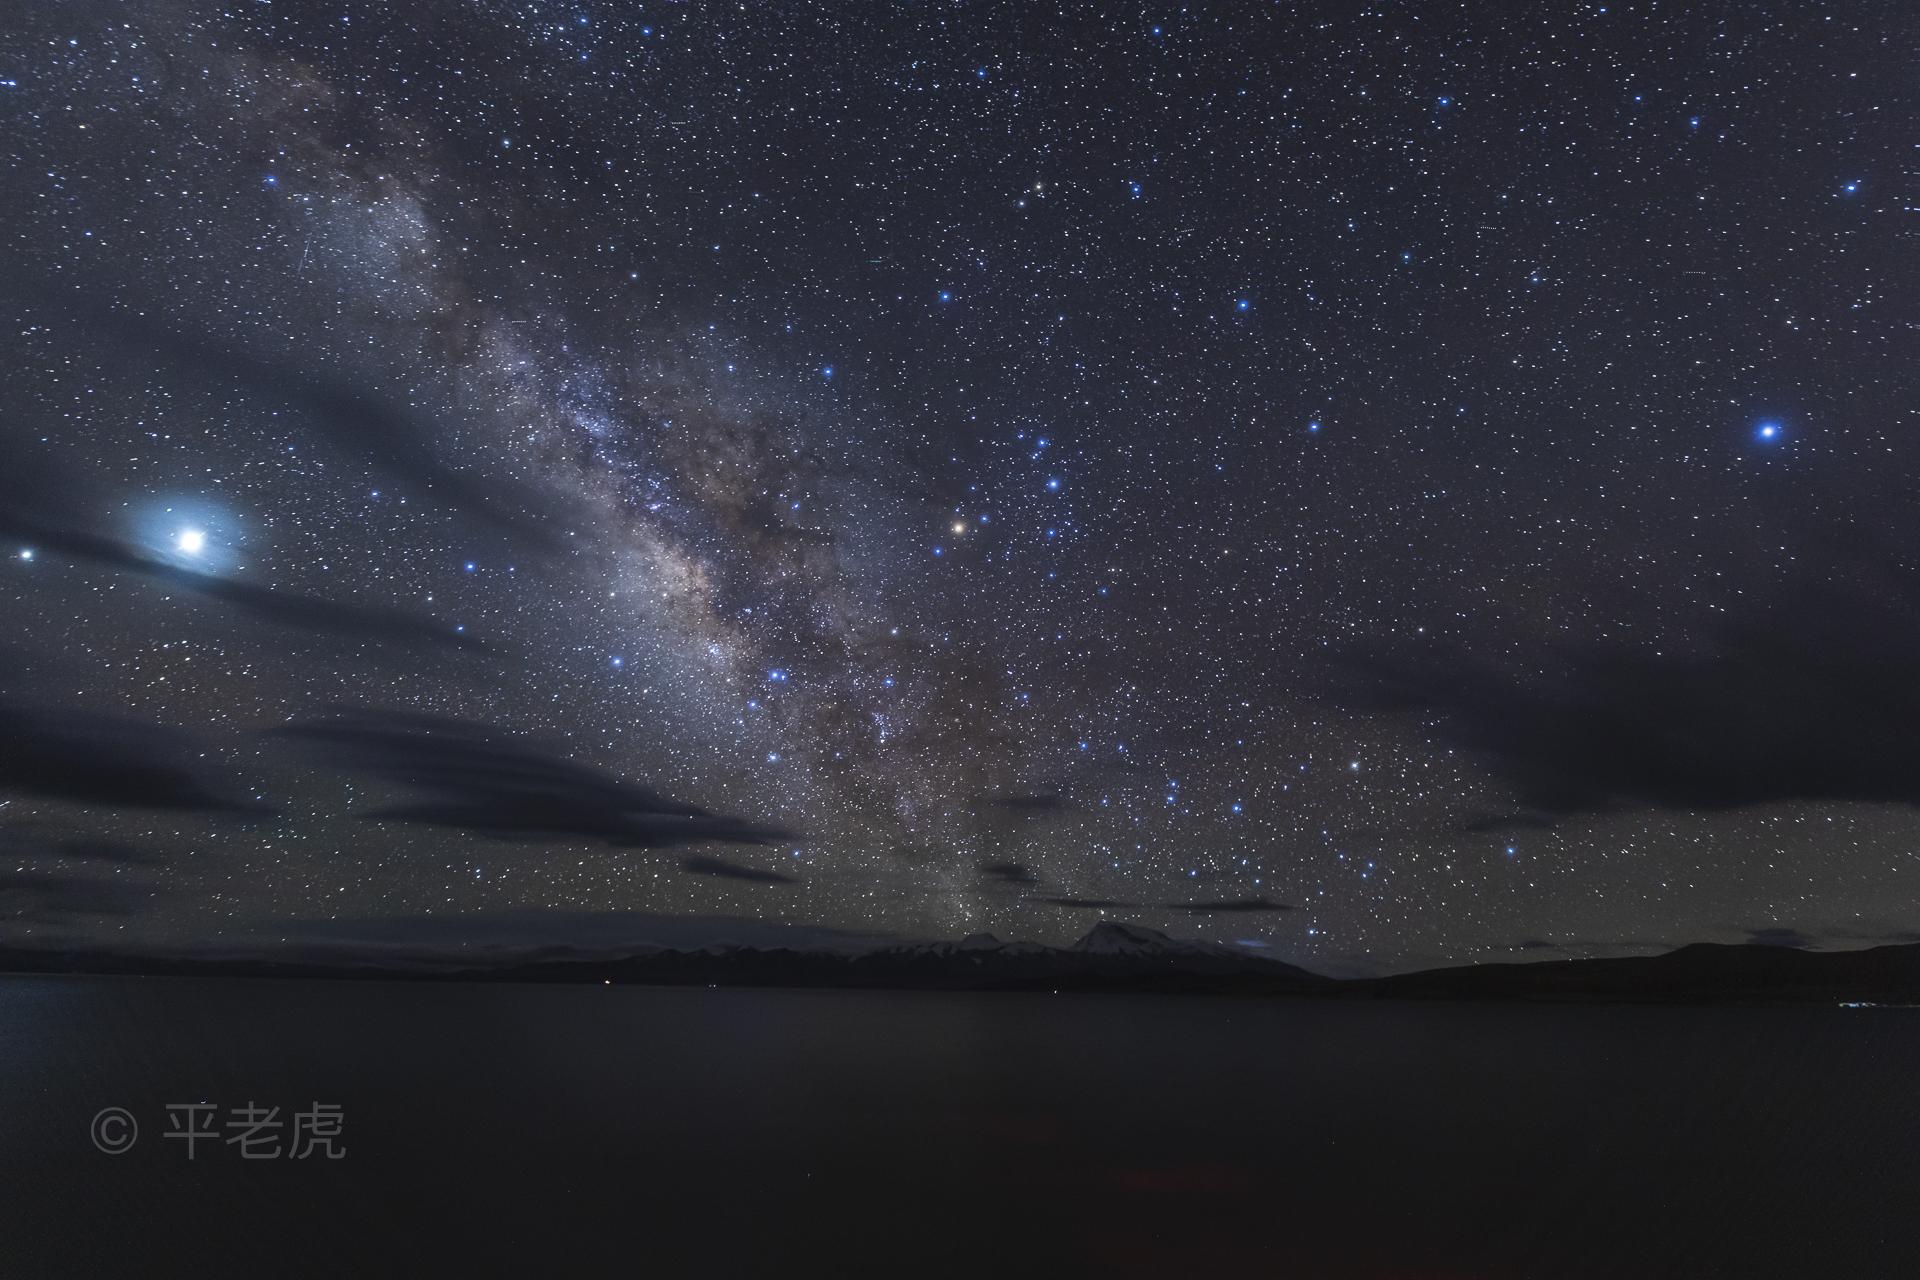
1375, 483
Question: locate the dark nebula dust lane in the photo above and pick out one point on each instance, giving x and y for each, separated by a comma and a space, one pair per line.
1375, 485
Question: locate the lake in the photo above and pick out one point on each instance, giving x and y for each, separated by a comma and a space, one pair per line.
665, 1132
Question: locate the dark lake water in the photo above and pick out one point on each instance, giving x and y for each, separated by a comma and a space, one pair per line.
666, 1132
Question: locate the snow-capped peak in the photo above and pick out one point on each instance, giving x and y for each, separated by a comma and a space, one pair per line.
1112, 938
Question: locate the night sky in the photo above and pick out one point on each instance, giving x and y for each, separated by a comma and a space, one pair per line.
1380, 483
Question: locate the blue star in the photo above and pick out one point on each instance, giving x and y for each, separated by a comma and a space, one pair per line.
778, 675
1850, 188
1446, 102
618, 661
1053, 485
1243, 304
826, 371
945, 296
1769, 430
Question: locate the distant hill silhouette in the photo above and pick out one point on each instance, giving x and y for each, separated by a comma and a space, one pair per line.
1703, 971
1111, 957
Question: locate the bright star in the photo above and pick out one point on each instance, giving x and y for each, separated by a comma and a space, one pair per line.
26, 553
1768, 430
191, 542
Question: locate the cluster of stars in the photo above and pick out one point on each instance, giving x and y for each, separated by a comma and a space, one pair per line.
1258, 336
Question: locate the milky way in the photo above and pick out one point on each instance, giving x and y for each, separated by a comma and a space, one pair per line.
1374, 483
